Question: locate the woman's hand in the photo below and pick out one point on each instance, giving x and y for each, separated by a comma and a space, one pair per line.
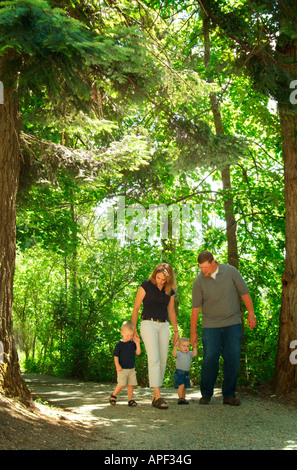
175, 337
136, 338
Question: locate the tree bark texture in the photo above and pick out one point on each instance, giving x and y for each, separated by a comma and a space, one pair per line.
285, 373
11, 381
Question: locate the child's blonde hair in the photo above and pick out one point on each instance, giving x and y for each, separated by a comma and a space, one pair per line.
183, 340
128, 325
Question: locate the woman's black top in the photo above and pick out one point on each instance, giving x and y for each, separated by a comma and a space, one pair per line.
155, 302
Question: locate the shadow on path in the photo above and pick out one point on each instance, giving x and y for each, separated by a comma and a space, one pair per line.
257, 424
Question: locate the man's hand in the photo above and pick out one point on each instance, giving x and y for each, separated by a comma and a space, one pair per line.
251, 321
194, 339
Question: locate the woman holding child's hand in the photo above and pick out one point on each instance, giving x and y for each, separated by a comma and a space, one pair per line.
157, 296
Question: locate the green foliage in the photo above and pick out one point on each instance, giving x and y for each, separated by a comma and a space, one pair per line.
263, 35
71, 299
56, 52
73, 290
200, 147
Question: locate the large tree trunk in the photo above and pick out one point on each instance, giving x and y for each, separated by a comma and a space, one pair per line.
285, 373
11, 382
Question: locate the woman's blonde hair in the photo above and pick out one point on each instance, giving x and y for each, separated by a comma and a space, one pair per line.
167, 270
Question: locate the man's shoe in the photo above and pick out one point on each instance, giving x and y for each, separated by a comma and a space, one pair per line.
231, 401
204, 400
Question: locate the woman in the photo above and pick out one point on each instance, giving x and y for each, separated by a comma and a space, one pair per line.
157, 296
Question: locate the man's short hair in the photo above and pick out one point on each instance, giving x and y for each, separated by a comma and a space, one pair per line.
205, 256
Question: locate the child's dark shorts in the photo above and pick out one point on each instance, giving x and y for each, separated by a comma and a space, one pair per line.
181, 377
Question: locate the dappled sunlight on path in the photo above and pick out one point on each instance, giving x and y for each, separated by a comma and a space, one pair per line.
256, 424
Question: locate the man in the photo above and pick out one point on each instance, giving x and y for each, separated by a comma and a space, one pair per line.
217, 290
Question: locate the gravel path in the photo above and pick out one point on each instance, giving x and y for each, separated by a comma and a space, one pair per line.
257, 424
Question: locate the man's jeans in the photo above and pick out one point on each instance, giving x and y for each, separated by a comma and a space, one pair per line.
217, 341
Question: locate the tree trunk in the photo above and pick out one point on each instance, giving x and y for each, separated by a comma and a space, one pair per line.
225, 173
285, 373
231, 226
11, 381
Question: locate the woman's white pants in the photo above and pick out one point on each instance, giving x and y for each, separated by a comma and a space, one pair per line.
155, 336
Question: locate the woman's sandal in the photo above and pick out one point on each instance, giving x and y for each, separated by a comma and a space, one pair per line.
159, 403
113, 400
132, 403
